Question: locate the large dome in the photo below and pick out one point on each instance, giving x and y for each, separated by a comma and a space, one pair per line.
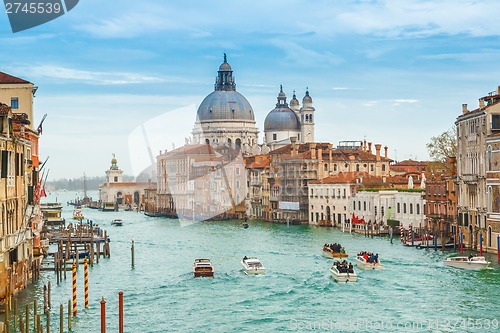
225, 105
282, 119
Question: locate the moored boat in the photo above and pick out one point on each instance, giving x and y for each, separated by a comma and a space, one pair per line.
334, 251
367, 260
469, 263
203, 268
252, 266
343, 272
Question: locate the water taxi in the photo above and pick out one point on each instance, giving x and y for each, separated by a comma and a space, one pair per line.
364, 260
77, 214
203, 268
343, 273
117, 222
108, 206
469, 263
252, 266
330, 251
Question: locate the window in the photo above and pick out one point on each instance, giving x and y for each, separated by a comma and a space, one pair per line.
116, 179
335, 167
357, 167
411, 208
237, 171
364, 205
275, 136
14, 103
371, 167
383, 167
418, 209
495, 122
399, 207
404, 208
325, 167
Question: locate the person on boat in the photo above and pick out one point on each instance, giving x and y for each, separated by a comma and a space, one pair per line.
365, 256
351, 268
245, 258
470, 256
376, 258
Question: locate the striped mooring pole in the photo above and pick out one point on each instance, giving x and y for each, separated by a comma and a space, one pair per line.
74, 289
86, 281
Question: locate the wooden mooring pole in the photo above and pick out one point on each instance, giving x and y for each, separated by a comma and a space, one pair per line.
120, 312
103, 315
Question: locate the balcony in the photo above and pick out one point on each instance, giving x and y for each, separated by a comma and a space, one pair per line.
470, 179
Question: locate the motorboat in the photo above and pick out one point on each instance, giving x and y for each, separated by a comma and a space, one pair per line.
328, 252
469, 263
203, 268
245, 224
362, 263
253, 266
117, 222
77, 214
341, 274
420, 241
108, 206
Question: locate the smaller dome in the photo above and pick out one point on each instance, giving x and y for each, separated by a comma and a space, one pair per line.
281, 119
307, 98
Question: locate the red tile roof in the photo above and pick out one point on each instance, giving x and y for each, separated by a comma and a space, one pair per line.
6, 78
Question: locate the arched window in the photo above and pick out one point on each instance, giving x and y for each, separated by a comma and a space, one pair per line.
207, 141
404, 208
325, 167
418, 209
335, 167
490, 157
399, 207
411, 208
238, 143
357, 167
383, 167
371, 167
310, 118
364, 205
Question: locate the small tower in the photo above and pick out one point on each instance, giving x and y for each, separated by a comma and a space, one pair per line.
295, 105
114, 174
307, 118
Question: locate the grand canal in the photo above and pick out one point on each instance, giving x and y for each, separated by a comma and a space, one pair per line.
414, 291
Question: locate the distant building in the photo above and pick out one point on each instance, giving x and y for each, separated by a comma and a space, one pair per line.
114, 189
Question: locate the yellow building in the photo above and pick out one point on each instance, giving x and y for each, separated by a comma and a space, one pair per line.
18, 94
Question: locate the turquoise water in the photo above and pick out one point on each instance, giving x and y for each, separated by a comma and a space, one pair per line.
296, 294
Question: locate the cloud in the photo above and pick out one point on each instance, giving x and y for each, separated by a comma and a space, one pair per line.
91, 77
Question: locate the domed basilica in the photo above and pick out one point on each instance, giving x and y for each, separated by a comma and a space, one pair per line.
225, 117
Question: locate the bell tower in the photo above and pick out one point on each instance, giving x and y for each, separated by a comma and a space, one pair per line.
307, 118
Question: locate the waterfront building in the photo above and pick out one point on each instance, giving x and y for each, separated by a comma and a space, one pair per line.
492, 228
473, 129
296, 165
380, 205
114, 189
225, 117
285, 122
201, 182
329, 197
259, 187
20, 191
408, 166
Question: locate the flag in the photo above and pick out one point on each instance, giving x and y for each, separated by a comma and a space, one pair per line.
43, 193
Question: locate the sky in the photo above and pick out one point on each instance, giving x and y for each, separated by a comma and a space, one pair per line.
111, 74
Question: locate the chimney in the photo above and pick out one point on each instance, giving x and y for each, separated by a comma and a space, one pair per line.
330, 151
464, 108
377, 150
370, 147
364, 145
312, 149
481, 103
385, 151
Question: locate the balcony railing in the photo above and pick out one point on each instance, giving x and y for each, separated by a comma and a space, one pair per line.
469, 178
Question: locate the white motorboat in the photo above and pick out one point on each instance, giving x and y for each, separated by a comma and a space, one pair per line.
253, 266
467, 262
117, 222
341, 276
363, 264
328, 252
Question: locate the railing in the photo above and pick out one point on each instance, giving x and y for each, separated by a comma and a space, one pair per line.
469, 178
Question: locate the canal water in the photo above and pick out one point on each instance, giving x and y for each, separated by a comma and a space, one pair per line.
413, 292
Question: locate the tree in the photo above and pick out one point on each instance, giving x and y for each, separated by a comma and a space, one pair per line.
442, 146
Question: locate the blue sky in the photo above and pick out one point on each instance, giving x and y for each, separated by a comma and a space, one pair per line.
395, 72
